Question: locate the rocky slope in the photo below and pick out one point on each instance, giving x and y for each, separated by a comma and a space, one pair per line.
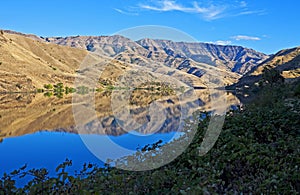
234, 58
285, 61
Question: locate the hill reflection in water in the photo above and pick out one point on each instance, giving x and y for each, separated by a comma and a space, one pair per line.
22, 114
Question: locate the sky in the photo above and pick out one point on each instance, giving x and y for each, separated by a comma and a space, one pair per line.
264, 25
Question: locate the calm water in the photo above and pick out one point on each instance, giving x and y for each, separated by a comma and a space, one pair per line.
48, 149
24, 117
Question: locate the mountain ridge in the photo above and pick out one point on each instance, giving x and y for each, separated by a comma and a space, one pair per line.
196, 59
235, 58
229, 56
28, 64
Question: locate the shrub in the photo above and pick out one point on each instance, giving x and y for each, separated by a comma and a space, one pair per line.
48, 86
40, 90
48, 94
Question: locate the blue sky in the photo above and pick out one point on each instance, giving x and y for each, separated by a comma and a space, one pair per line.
263, 25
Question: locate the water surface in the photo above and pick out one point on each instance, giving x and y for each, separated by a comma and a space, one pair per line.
41, 131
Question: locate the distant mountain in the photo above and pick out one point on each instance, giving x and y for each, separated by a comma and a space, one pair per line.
108, 45
286, 61
234, 58
28, 62
128, 51
200, 60
215, 65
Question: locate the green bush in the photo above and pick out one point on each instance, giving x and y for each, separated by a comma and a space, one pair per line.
48, 94
48, 86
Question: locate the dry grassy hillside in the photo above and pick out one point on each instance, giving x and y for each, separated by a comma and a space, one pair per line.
26, 64
287, 61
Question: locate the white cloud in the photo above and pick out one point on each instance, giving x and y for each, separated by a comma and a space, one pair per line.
209, 12
220, 42
237, 38
245, 37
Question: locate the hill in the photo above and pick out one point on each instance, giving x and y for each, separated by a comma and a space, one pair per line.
28, 61
27, 64
286, 61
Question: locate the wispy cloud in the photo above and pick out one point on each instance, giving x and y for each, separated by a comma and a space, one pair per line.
125, 12
245, 37
251, 12
209, 12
